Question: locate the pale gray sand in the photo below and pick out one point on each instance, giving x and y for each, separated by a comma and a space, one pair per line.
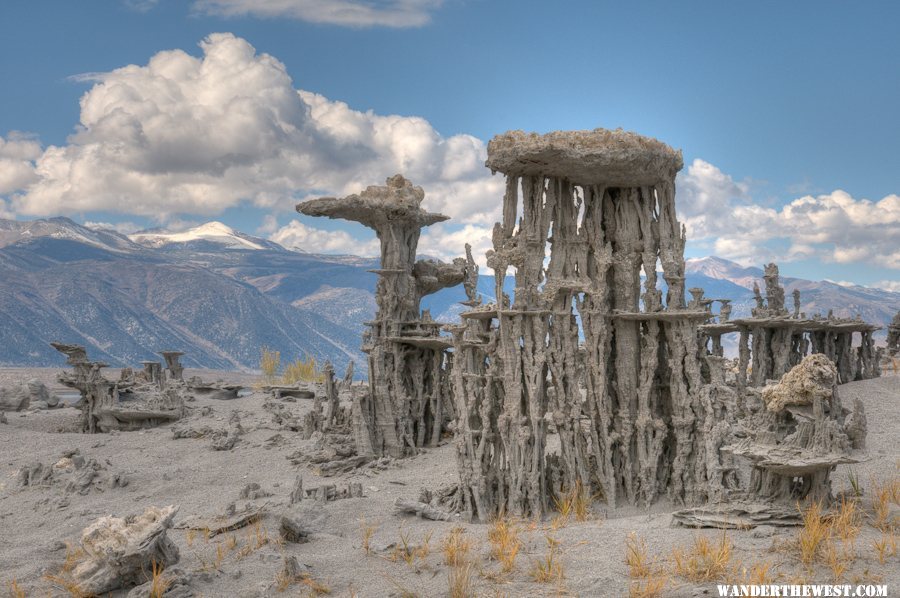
188, 473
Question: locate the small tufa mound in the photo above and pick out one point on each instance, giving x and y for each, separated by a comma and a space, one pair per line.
122, 552
813, 378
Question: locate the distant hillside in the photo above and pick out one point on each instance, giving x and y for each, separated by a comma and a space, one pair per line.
219, 295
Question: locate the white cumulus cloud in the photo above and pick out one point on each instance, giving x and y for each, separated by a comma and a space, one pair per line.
17, 155
833, 227
296, 235
197, 135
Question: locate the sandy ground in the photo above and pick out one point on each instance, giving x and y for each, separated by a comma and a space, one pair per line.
34, 521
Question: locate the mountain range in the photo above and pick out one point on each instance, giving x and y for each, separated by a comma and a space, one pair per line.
220, 295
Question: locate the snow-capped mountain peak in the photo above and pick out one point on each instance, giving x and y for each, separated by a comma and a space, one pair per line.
722, 269
215, 232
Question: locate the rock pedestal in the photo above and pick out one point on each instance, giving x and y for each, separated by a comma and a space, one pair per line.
408, 401
604, 203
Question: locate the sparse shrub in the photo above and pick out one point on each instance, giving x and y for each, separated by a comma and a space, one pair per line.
302, 370
269, 361
705, 560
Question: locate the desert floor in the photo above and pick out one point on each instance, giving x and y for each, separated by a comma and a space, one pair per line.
36, 522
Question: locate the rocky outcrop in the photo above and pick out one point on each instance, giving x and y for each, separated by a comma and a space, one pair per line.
32, 394
122, 552
140, 401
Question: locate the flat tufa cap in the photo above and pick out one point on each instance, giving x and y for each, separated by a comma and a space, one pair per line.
397, 201
599, 157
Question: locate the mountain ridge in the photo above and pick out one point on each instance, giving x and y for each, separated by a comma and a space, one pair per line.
125, 298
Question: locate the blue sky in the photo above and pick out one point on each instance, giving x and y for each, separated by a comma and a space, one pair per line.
770, 102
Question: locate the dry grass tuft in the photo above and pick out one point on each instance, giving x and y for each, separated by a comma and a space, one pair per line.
649, 581
424, 549
159, 583
367, 531
705, 561
636, 557
316, 588
576, 502
548, 568
883, 494
456, 547
459, 581
846, 521
885, 547
813, 535
14, 591
650, 587
260, 535
403, 551
759, 574
503, 536
837, 563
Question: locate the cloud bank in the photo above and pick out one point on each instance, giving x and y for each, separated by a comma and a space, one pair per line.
347, 13
189, 135
834, 227
196, 135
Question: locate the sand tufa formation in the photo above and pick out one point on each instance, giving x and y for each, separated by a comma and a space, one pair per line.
408, 403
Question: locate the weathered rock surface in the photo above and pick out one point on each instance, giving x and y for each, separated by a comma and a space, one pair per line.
813, 379
122, 551
32, 394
